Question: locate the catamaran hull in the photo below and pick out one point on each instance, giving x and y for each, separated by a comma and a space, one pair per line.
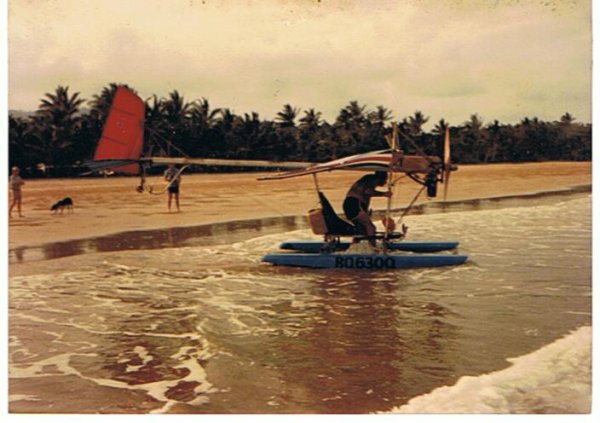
413, 246
363, 261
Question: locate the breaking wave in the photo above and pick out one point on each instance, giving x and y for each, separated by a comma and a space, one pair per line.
554, 379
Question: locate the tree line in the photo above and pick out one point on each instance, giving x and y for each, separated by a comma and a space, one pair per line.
64, 131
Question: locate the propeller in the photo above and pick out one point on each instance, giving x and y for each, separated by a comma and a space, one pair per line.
447, 162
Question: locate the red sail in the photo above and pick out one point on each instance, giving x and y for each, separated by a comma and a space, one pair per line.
123, 134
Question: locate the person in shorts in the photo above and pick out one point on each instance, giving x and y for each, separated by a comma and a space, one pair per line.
173, 176
358, 198
16, 182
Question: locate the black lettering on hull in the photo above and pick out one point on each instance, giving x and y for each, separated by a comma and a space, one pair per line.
367, 262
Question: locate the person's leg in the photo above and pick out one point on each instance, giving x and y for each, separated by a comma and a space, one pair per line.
170, 199
177, 200
12, 205
19, 198
365, 225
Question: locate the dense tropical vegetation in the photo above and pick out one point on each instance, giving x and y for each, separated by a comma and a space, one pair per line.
65, 129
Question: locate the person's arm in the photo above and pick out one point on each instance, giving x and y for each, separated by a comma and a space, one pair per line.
382, 193
374, 193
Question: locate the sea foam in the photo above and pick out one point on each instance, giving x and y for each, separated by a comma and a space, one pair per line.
554, 379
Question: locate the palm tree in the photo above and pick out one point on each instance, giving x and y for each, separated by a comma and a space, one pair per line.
202, 121
285, 143
411, 128
201, 114
416, 122
155, 131
287, 116
20, 149
311, 119
310, 124
219, 142
567, 119
352, 116
175, 109
55, 123
474, 123
246, 135
374, 134
351, 130
440, 127
494, 131
175, 112
380, 116
60, 107
226, 118
474, 140
436, 143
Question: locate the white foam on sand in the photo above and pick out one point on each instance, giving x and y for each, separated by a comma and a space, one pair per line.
557, 378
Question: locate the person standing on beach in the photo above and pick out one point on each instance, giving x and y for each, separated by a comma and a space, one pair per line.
16, 182
356, 204
173, 175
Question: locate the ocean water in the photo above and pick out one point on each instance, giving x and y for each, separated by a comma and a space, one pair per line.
205, 327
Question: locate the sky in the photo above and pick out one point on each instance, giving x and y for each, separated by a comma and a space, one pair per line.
500, 59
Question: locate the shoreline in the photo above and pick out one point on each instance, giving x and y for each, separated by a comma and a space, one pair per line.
110, 206
422, 208
227, 232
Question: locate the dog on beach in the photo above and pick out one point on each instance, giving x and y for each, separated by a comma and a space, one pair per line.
65, 203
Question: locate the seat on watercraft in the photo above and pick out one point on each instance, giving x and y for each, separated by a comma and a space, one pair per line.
325, 221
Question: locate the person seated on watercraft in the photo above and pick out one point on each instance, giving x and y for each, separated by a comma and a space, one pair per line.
358, 198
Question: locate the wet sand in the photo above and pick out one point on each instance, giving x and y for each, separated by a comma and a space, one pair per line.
112, 205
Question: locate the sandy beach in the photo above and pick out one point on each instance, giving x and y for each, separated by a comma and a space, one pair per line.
112, 205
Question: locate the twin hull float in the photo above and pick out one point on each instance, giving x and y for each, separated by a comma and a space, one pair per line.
312, 254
